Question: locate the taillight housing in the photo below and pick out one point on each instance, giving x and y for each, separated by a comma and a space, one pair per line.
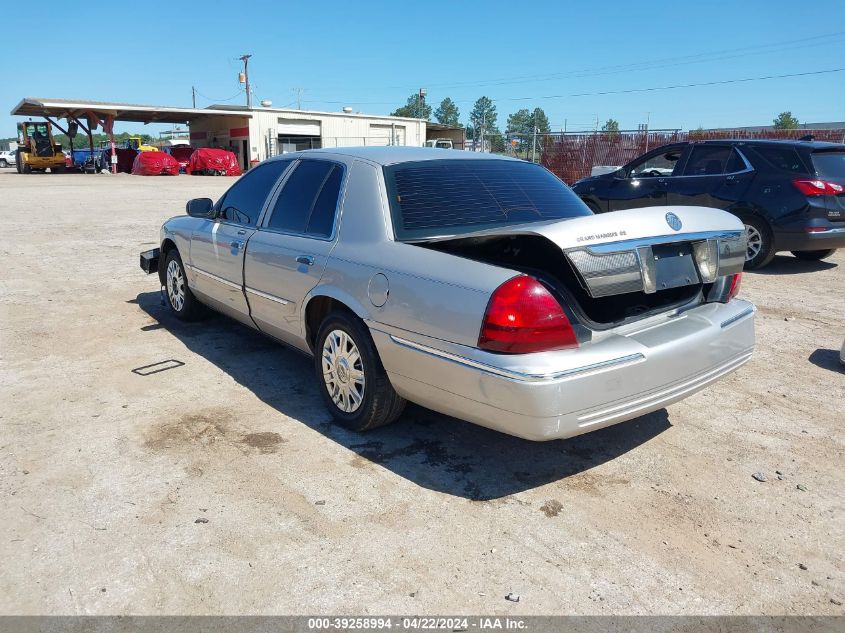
818, 187
523, 317
735, 281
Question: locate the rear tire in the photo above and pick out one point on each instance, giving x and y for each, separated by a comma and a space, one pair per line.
3, 162
814, 256
760, 250
181, 300
352, 380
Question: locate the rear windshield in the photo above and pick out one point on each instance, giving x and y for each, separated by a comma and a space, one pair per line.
829, 164
448, 197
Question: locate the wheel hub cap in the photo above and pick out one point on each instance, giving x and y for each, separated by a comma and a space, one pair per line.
754, 240
343, 371
175, 286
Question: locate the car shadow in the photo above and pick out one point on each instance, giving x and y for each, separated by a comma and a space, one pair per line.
827, 359
789, 265
430, 449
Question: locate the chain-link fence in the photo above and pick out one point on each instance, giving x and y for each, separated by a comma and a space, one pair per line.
574, 155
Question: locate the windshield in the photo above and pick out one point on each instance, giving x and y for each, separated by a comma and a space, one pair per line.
448, 197
829, 165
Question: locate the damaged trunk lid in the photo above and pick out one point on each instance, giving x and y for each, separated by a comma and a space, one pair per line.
616, 266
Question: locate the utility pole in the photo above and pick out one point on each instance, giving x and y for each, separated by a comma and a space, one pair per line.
299, 92
534, 139
194, 96
245, 80
420, 102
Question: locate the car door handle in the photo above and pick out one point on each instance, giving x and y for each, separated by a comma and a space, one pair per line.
306, 260
237, 245
242, 232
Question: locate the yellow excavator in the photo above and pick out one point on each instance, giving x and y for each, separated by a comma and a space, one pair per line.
37, 150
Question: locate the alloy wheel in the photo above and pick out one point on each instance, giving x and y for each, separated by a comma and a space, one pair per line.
175, 285
754, 241
343, 371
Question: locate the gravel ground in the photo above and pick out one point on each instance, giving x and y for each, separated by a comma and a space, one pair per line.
221, 485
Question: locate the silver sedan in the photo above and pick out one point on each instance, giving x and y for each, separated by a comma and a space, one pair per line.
477, 286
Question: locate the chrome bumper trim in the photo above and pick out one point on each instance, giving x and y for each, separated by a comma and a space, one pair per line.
517, 375
749, 310
827, 232
225, 282
264, 295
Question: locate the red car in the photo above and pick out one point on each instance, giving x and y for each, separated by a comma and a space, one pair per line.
209, 161
155, 164
182, 153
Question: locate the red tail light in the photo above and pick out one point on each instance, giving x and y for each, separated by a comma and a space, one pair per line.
818, 187
524, 317
734, 291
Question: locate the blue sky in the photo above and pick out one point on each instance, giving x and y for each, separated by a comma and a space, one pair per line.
372, 55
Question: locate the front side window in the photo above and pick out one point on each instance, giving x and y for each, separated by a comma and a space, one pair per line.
450, 197
308, 201
713, 160
245, 199
658, 165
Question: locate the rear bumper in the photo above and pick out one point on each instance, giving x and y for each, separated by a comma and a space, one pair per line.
831, 237
554, 395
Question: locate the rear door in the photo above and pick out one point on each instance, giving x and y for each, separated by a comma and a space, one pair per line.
646, 180
830, 167
714, 176
217, 245
287, 255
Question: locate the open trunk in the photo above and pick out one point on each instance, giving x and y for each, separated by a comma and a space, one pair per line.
617, 267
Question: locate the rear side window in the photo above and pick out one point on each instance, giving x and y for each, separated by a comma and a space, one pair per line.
245, 199
784, 158
444, 197
829, 165
308, 201
713, 160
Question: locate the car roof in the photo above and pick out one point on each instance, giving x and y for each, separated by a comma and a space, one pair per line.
390, 155
771, 141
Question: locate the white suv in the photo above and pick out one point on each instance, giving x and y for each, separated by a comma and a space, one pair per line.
7, 158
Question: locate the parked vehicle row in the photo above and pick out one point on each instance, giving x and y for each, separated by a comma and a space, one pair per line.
790, 195
481, 287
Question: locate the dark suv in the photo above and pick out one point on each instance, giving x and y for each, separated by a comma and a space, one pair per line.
789, 194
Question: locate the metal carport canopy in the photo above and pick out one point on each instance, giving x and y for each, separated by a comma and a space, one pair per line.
61, 108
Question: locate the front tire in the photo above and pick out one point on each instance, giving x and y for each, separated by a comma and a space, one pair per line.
3, 163
353, 382
179, 296
814, 256
760, 250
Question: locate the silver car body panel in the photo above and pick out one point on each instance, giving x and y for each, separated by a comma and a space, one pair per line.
424, 307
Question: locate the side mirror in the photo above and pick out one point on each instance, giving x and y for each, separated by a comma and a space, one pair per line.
200, 207
620, 174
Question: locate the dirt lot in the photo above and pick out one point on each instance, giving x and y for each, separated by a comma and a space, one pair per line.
105, 473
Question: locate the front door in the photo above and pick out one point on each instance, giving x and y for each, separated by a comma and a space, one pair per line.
646, 180
217, 247
288, 254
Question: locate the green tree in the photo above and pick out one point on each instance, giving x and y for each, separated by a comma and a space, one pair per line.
415, 108
541, 121
447, 113
611, 126
785, 121
483, 113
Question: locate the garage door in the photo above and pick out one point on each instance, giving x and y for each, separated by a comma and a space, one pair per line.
298, 127
380, 134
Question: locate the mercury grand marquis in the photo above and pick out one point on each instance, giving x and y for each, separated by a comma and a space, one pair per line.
478, 286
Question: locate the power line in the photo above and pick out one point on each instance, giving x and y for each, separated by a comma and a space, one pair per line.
616, 92
675, 87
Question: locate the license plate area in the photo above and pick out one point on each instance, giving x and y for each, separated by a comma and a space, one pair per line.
674, 266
